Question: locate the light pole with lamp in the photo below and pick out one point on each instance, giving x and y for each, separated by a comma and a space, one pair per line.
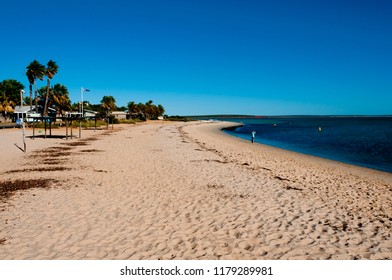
23, 123
80, 119
82, 90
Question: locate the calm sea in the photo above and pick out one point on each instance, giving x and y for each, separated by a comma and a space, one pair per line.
363, 141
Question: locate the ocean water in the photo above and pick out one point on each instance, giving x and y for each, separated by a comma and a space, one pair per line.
363, 141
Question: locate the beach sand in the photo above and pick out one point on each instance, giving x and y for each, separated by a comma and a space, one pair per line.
165, 190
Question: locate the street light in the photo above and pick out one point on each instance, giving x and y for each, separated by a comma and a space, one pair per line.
21, 97
23, 124
82, 89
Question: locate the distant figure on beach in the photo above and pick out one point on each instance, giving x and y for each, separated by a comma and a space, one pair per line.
253, 135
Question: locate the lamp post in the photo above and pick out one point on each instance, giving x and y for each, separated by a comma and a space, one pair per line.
21, 97
23, 123
81, 99
80, 120
82, 89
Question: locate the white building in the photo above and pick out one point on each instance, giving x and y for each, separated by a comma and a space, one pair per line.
28, 115
120, 115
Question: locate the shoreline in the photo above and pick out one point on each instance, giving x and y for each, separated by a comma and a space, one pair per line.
170, 190
232, 127
294, 155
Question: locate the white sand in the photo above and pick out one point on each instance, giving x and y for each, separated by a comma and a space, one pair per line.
188, 191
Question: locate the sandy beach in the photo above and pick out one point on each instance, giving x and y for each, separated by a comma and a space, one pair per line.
168, 190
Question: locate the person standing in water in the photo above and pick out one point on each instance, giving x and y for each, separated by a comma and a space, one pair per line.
253, 135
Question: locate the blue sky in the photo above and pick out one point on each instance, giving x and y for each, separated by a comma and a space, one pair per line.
210, 57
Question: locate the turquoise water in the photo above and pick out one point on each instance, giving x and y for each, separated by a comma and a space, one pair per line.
363, 141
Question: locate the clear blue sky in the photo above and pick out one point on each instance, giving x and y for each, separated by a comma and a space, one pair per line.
210, 57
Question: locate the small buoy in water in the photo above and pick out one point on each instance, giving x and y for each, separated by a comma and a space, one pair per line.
274, 124
320, 129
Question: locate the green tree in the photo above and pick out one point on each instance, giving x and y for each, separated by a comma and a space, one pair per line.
75, 106
132, 108
108, 103
142, 108
161, 110
31, 79
35, 70
9, 95
51, 70
95, 107
149, 109
145, 111
41, 96
26, 100
58, 98
11, 91
3, 100
61, 99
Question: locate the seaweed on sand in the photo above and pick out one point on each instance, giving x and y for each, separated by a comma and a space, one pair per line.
9, 188
78, 143
39, 169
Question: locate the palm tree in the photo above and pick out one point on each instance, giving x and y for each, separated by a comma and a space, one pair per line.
108, 102
41, 93
35, 70
31, 79
132, 107
58, 98
51, 70
61, 99
149, 110
161, 110
142, 110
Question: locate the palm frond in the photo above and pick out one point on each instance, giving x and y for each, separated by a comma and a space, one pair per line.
52, 69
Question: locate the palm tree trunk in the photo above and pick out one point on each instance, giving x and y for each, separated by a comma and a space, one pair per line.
35, 96
31, 98
46, 99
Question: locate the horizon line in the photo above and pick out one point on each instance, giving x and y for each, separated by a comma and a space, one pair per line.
277, 116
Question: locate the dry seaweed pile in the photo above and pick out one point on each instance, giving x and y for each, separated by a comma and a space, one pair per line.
90, 151
9, 188
52, 152
39, 169
53, 159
